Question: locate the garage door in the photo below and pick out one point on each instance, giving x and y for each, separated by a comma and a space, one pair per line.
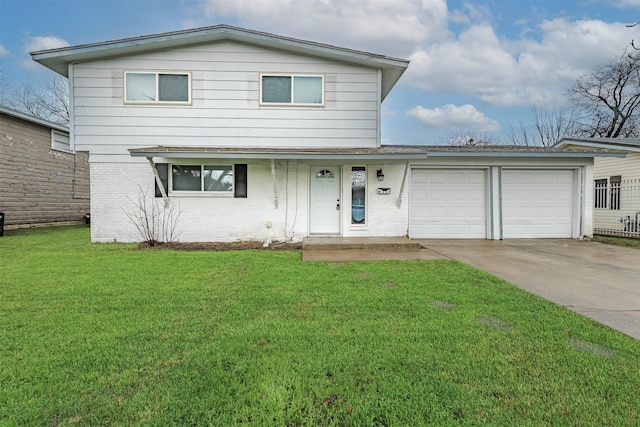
447, 204
537, 203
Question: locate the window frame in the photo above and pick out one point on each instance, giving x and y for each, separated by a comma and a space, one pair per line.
58, 145
353, 223
607, 192
157, 87
292, 103
202, 192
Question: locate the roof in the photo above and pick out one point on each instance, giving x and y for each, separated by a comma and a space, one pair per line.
386, 152
29, 118
59, 59
617, 144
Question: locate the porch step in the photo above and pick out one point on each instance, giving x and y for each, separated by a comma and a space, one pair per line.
369, 243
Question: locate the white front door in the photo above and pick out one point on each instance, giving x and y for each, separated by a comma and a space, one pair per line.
325, 205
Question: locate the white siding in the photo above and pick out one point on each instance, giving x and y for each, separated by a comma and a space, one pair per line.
628, 167
225, 108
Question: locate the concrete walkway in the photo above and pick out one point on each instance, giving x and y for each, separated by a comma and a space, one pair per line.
597, 280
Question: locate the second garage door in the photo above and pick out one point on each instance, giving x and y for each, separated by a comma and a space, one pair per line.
447, 204
537, 203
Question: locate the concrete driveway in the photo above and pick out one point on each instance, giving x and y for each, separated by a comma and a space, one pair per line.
597, 280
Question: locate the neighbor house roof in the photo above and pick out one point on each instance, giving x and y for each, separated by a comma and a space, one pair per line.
617, 144
29, 118
59, 59
386, 152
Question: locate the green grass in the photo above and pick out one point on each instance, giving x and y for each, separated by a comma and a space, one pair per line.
107, 334
618, 241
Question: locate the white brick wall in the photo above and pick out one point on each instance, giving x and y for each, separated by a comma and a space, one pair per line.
383, 217
221, 219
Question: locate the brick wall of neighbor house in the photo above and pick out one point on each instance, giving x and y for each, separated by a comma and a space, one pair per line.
39, 185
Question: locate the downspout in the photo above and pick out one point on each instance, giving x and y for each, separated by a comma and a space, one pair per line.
404, 180
273, 180
163, 191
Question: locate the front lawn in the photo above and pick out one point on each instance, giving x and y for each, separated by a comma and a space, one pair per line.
97, 334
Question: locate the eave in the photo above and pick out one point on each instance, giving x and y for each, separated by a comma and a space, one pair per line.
59, 59
619, 144
280, 153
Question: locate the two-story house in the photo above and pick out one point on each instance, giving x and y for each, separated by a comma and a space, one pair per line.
254, 136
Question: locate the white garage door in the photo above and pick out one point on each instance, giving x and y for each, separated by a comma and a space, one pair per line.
447, 204
537, 203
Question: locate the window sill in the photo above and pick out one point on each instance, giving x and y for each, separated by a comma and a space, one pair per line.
206, 195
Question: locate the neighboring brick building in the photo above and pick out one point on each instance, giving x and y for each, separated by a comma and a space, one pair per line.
42, 182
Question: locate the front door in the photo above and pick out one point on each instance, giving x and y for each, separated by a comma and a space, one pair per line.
324, 209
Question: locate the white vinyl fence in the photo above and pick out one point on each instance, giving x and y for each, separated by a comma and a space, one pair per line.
617, 209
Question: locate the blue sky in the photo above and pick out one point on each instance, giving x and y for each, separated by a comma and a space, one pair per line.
476, 67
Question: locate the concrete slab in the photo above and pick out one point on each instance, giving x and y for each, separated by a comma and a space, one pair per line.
597, 280
344, 255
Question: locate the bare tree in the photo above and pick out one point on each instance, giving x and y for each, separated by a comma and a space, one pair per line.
472, 139
608, 99
47, 99
545, 127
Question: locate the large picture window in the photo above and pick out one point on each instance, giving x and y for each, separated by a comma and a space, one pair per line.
151, 87
292, 89
202, 178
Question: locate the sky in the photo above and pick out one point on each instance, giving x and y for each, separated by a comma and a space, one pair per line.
478, 68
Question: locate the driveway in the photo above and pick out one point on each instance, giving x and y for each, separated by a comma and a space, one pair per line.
597, 280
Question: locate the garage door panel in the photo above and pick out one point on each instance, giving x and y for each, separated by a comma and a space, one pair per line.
537, 203
456, 200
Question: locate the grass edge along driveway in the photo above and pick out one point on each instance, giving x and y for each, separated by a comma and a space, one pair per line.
95, 334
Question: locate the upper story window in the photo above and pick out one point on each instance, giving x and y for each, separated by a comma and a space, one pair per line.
292, 90
152, 87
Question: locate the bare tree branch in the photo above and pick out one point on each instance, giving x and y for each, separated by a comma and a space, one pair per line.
608, 98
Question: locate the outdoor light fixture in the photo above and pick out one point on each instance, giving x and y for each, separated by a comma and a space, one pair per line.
380, 175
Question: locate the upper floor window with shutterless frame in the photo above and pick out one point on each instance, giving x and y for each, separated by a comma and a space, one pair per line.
149, 87
288, 89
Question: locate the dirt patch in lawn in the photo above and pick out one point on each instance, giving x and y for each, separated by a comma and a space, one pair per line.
222, 246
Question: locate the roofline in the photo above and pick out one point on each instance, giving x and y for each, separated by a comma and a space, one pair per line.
384, 153
59, 59
273, 154
29, 118
530, 154
602, 143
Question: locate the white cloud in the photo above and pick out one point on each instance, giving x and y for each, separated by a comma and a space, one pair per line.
3, 51
626, 3
535, 67
44, 42
392, 27
465, 117
37, 43
517, 72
